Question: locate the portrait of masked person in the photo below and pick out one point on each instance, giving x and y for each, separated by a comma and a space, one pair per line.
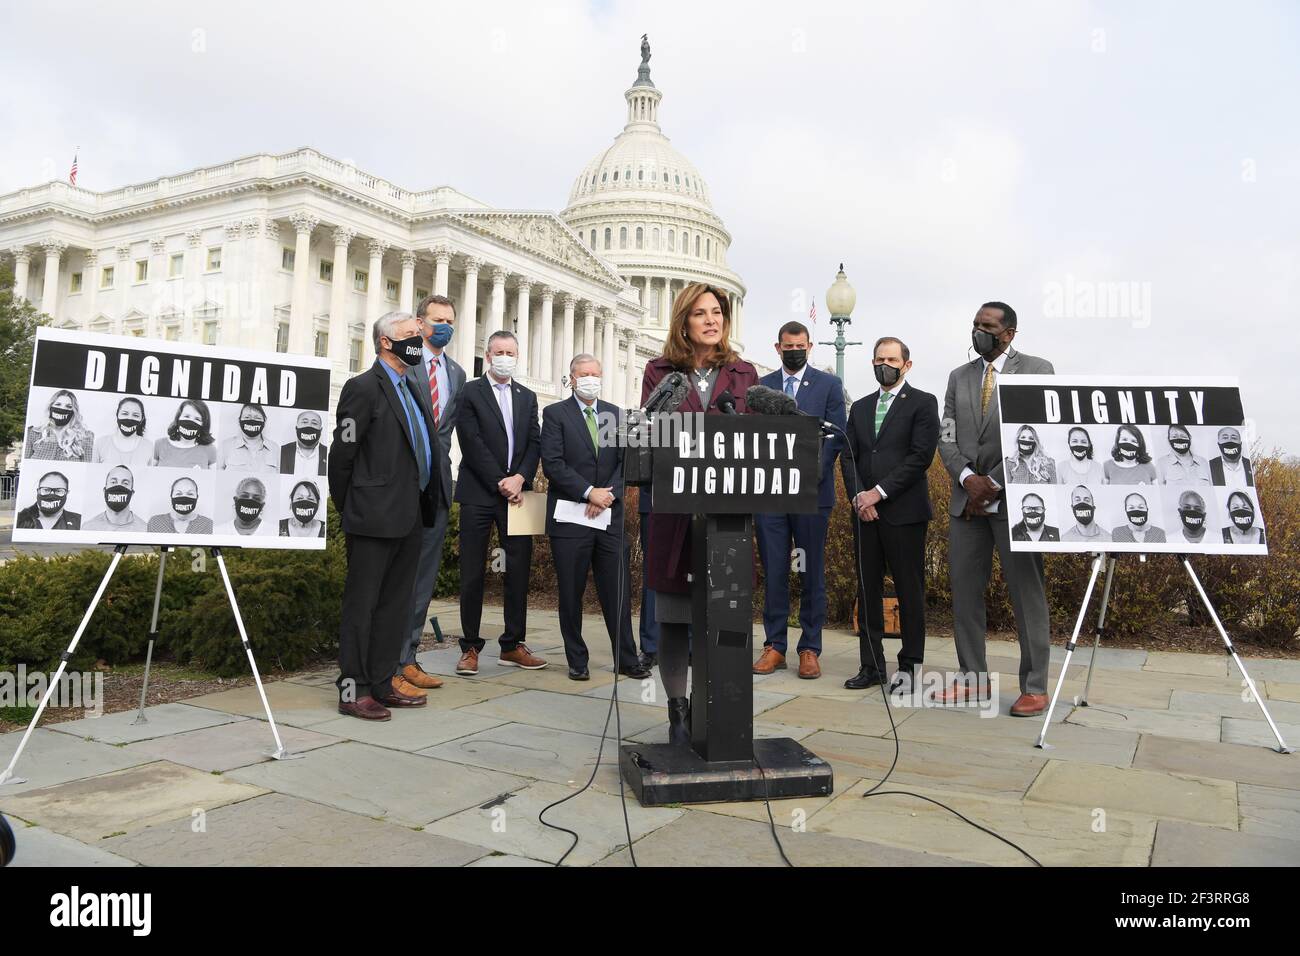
1191, 517
182, 515
250, 503
306, 455
1130, 462
1182, 466
250, 450
1241, 514
304, 519
1033, 525
126, 444
1030, 465
49, 511
1138, 529
188, 442
1084, 508
118, 515
1231, 469
1080, 467
63, 436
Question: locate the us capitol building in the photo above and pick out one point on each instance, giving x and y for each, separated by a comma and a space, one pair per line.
300, 253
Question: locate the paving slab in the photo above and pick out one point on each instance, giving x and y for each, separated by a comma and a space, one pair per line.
1269, 811
298, 705
826, 713
1205, 665
1280, 690
1232, 705
543, 753
658, 734
319, 677
511, 826
1149, 793
52, 758
1186, 844
1054, 834
463, 691
507, 860
227, 746
410, 729
1108, 658
700, 838
126, 800
442, 661
1270, 668
572, 712
1143, 721
1246, 765
280, 830
383, 784
556, 679
38, 846
163, 721
1067, 741
1257, 733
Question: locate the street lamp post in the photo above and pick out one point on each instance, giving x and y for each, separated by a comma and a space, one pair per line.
840, 299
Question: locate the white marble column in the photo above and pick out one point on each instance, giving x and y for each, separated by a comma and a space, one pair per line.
497, 308
374, 300
340, 333
90, 283
192, 296
233, 256
589, 328
545, 361
300, 322
523, 288
441, 261
608, 357
406, 293
631, 380
121, 281
54, 249
665, 302
467, 316
564, 354
157, 282
22, 265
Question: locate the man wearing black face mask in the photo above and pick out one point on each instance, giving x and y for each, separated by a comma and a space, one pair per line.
250, 502
1139, 529
250, 450
1033, 525
1241, 510
384, 479
892, 435
1181, 466
307, 455
971, 448
1232, 468
822, 395
119, 489
1084, 508
49, 510
1191, 513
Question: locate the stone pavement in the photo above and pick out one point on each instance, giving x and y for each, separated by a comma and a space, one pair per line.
1167, 767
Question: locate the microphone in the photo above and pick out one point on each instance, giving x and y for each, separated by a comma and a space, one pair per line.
664, 392
762, 400
727, 403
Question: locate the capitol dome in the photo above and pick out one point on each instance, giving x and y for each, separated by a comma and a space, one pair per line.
644, 207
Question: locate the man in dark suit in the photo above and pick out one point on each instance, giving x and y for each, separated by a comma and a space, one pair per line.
500, 446
892, 433
306, 455
1231, 468
384, 480
441, 379
1033, 525
583, 464
971, 449
822, 395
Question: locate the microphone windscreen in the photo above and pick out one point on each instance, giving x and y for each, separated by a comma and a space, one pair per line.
762, 400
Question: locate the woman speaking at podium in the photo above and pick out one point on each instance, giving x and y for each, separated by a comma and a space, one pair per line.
698, 346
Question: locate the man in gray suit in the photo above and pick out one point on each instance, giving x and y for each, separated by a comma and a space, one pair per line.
441, 379
970, 445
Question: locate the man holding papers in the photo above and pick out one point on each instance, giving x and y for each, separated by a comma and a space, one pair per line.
584, 516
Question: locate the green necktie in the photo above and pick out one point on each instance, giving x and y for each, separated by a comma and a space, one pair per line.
882, 408
591, 427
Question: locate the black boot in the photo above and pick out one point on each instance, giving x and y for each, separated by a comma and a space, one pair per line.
679, 721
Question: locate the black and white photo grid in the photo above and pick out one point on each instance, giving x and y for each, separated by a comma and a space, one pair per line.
149, 442
1147, 465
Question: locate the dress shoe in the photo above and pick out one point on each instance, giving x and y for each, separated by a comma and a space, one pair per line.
635, 671
864, 678
367, 708
1029, 705
648, 660
679, 721
417, 675
809, 668
770, 660
961, 692
902, 683
395, 698
521, 656
467, 666
406, 688
579, 674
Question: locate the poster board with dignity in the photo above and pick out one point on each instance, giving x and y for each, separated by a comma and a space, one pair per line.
1139, 465
140, 441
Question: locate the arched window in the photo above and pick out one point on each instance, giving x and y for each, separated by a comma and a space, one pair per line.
627, 176
640, 236
616, 175
686, 243
665, 175
622, 237
608, 236
604, 175
654, 238
677, 180
640, 175
672, 240
593, 239
697, 245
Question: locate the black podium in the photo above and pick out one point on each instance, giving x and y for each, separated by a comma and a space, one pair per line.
722, 469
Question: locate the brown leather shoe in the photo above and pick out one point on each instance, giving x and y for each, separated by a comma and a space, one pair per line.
467, 666
406, 688
809, 668
521, 656
395, 698
415, 674
1029, 705
961, 692
367, 708
770, 660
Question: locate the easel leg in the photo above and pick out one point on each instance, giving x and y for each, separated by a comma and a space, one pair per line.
140, 718
1069, 649
1281, 747
280, 753
1101, 626
8, 775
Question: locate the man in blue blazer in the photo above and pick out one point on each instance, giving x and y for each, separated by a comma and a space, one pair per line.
821, 395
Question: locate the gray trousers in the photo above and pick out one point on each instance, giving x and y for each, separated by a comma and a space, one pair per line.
970, 560
426, 576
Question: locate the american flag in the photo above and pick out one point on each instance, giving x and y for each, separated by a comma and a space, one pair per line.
72, 174
812, 312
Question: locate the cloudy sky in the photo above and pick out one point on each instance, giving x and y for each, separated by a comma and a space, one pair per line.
1127, 175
